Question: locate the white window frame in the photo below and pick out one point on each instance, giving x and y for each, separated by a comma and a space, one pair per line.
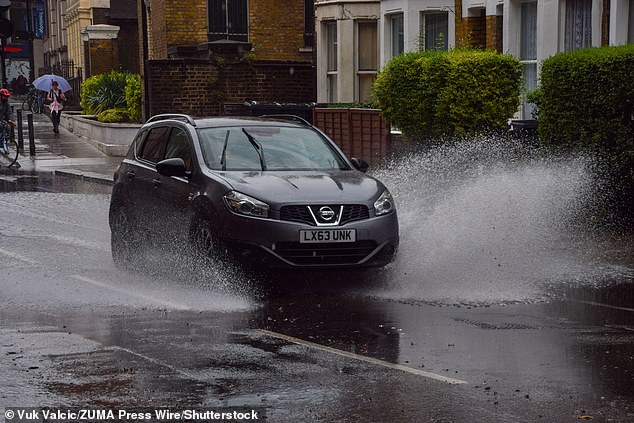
359, 71
392, 18
630, 24
422, 28
331, 72
621, 22
525, 111
595, 22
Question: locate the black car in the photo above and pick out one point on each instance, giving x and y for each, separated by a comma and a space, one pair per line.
274, 191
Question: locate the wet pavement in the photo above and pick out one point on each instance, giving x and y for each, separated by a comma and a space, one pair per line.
418, 341
64, 153
76, 331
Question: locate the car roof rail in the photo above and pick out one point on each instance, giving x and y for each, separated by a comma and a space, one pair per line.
175, 116
293, 118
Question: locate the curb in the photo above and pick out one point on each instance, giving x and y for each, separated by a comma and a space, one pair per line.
85, 176
111, 150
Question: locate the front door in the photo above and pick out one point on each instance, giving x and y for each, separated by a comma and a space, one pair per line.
176, 193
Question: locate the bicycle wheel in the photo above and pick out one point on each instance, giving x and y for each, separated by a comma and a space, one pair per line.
35, 107
9, 152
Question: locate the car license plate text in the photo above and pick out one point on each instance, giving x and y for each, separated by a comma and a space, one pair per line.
327, 235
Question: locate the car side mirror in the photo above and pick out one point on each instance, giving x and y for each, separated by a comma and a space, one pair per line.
172, 167
360, 164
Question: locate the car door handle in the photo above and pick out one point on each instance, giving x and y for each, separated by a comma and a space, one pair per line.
130, 174
156, 182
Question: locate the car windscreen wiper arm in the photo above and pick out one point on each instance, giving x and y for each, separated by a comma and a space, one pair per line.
257, 146
223, 158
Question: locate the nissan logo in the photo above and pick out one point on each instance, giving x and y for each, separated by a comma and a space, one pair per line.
327, 213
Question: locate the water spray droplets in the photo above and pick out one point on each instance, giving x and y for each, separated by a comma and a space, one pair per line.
487, 220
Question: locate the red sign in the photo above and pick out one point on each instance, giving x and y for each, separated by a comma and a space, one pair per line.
11, 49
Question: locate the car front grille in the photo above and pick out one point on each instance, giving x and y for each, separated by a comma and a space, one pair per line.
325, 254
301, 214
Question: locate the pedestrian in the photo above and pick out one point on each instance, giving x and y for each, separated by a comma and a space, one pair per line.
21, 85
56, 97
6, 114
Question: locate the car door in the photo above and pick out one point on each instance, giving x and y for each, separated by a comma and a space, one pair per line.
144, 178
127, 187
176, 193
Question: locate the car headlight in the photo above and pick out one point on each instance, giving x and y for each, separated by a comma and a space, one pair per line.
384, 204
243, 204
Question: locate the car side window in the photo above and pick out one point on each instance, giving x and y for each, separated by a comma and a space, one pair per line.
138, 143
154, 145
178, 145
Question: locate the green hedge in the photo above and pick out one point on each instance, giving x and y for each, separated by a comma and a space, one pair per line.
434, 93
587, 103
114, 90
133, 96
113, 115
587, 98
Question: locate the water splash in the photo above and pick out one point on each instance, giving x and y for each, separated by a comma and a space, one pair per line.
489, 220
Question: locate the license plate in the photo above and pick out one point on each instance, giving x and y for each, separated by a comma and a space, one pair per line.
327, 235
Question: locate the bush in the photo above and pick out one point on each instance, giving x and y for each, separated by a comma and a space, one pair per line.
587, 99
435, 93
535, 97
113, 115
587, 103
482, 90
133, 96
88, 89
401, 96
114, 90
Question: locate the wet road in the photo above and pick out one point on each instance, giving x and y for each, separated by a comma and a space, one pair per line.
399, 344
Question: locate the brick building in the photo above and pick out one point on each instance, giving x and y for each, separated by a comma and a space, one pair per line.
87, 37
202, 56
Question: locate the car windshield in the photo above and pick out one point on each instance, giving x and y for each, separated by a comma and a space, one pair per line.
268, 148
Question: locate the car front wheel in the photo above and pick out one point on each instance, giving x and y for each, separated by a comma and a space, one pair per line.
204, 238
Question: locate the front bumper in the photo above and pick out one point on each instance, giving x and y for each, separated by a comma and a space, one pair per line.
275, 244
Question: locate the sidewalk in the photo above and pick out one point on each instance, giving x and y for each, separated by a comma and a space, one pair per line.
63, 153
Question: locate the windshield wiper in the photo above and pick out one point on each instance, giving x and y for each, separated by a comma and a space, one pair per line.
223, 158
257, 146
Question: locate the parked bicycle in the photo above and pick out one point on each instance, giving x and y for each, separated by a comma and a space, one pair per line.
8, 146
33, 101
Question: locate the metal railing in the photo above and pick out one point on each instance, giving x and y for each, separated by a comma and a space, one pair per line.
66, 69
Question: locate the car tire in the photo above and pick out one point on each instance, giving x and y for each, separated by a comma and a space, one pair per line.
125, 241
204, 238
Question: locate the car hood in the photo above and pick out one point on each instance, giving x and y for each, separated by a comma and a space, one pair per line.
329, 187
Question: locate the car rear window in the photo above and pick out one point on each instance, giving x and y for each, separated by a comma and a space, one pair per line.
268, 148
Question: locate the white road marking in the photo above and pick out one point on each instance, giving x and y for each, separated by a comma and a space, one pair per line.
18, 257
130, 293
362, 358
154, 361
604, 305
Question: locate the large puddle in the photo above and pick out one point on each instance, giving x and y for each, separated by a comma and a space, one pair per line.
483, 222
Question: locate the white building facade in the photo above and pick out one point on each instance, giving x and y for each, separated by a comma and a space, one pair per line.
415, 25
355, 38
347, 49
